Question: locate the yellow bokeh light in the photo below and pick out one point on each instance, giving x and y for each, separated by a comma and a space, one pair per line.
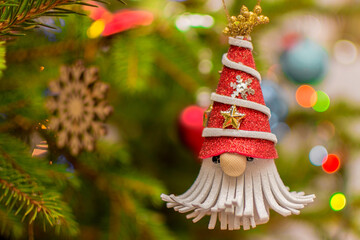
337, 201
96, 29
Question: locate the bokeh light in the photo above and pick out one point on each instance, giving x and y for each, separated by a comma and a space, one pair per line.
186, 21
317, 155
214, 5
323, 102
306, 96
337, 201
345, 52
96, 29
205, 66
203, 97
331, 163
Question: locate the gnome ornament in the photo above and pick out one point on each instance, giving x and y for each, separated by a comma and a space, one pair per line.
238, 181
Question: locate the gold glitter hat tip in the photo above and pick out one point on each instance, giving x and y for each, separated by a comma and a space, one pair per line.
244, 23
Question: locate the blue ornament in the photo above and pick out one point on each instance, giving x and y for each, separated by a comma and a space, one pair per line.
276, 101
280, 129
305, 62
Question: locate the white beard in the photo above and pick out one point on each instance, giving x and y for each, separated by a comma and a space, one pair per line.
238, 201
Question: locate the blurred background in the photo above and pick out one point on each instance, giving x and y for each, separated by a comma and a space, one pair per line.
160, 60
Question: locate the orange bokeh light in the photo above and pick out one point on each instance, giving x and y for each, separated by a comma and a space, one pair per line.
331, 164
306, 96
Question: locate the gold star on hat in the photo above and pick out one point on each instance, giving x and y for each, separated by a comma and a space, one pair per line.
232, 117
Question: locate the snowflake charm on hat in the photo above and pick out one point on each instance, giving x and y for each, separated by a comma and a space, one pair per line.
238, 181
241, 87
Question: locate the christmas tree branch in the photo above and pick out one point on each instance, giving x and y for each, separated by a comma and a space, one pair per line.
26, 14
10, 225
20, 15
24, 193
120, 189
18, 194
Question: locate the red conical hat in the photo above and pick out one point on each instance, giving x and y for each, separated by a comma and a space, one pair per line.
239, 119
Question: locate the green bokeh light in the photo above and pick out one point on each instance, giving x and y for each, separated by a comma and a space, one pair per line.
323, 102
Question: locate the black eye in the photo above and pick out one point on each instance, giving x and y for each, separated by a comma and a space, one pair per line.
249, 159
216, 159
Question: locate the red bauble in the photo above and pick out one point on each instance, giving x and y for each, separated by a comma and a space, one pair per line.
191, 127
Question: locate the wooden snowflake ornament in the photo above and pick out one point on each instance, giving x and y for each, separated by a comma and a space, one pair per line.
238, 182
78, 107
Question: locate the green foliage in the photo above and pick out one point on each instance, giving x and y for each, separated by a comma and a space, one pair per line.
25, 188
11, 225
2, 58
113, 192
138, 56
153, 224
133, 59
128, 194
19, 108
